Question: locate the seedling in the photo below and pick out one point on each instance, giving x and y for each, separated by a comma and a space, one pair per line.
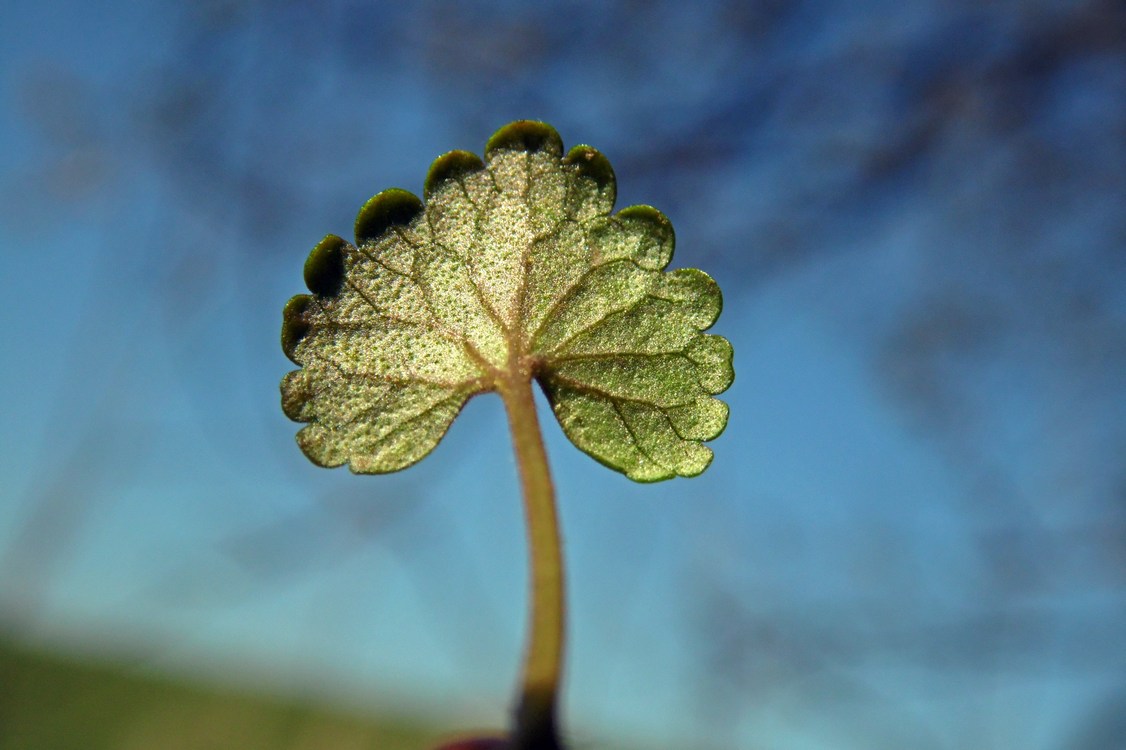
514, 270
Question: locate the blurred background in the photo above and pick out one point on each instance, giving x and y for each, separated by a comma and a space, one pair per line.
913, 534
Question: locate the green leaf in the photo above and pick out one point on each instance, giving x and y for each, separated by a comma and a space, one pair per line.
514, 267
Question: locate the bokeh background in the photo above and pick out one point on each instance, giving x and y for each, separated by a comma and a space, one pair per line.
914, 531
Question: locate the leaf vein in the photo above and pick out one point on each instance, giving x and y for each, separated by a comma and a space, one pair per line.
584, 387
611, 356
633, 436
477, 292
424, 413
566, 297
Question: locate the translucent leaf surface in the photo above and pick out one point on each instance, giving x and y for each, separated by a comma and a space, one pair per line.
514, 267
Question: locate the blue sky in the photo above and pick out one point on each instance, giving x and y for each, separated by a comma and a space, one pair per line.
912, 531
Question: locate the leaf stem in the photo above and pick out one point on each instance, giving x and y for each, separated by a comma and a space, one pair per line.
536, 711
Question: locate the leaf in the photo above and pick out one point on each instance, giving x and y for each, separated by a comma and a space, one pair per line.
514, 267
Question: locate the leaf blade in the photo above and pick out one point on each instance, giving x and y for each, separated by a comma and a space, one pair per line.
513, 267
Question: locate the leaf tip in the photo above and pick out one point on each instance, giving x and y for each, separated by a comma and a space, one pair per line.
451, 166
715, 359
393, 207
592, 164
525, 135
657, 239
294, 324
324, 268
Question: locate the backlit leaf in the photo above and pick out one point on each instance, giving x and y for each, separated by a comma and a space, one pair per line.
514, 264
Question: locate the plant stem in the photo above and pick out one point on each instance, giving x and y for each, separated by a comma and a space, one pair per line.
535, 714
